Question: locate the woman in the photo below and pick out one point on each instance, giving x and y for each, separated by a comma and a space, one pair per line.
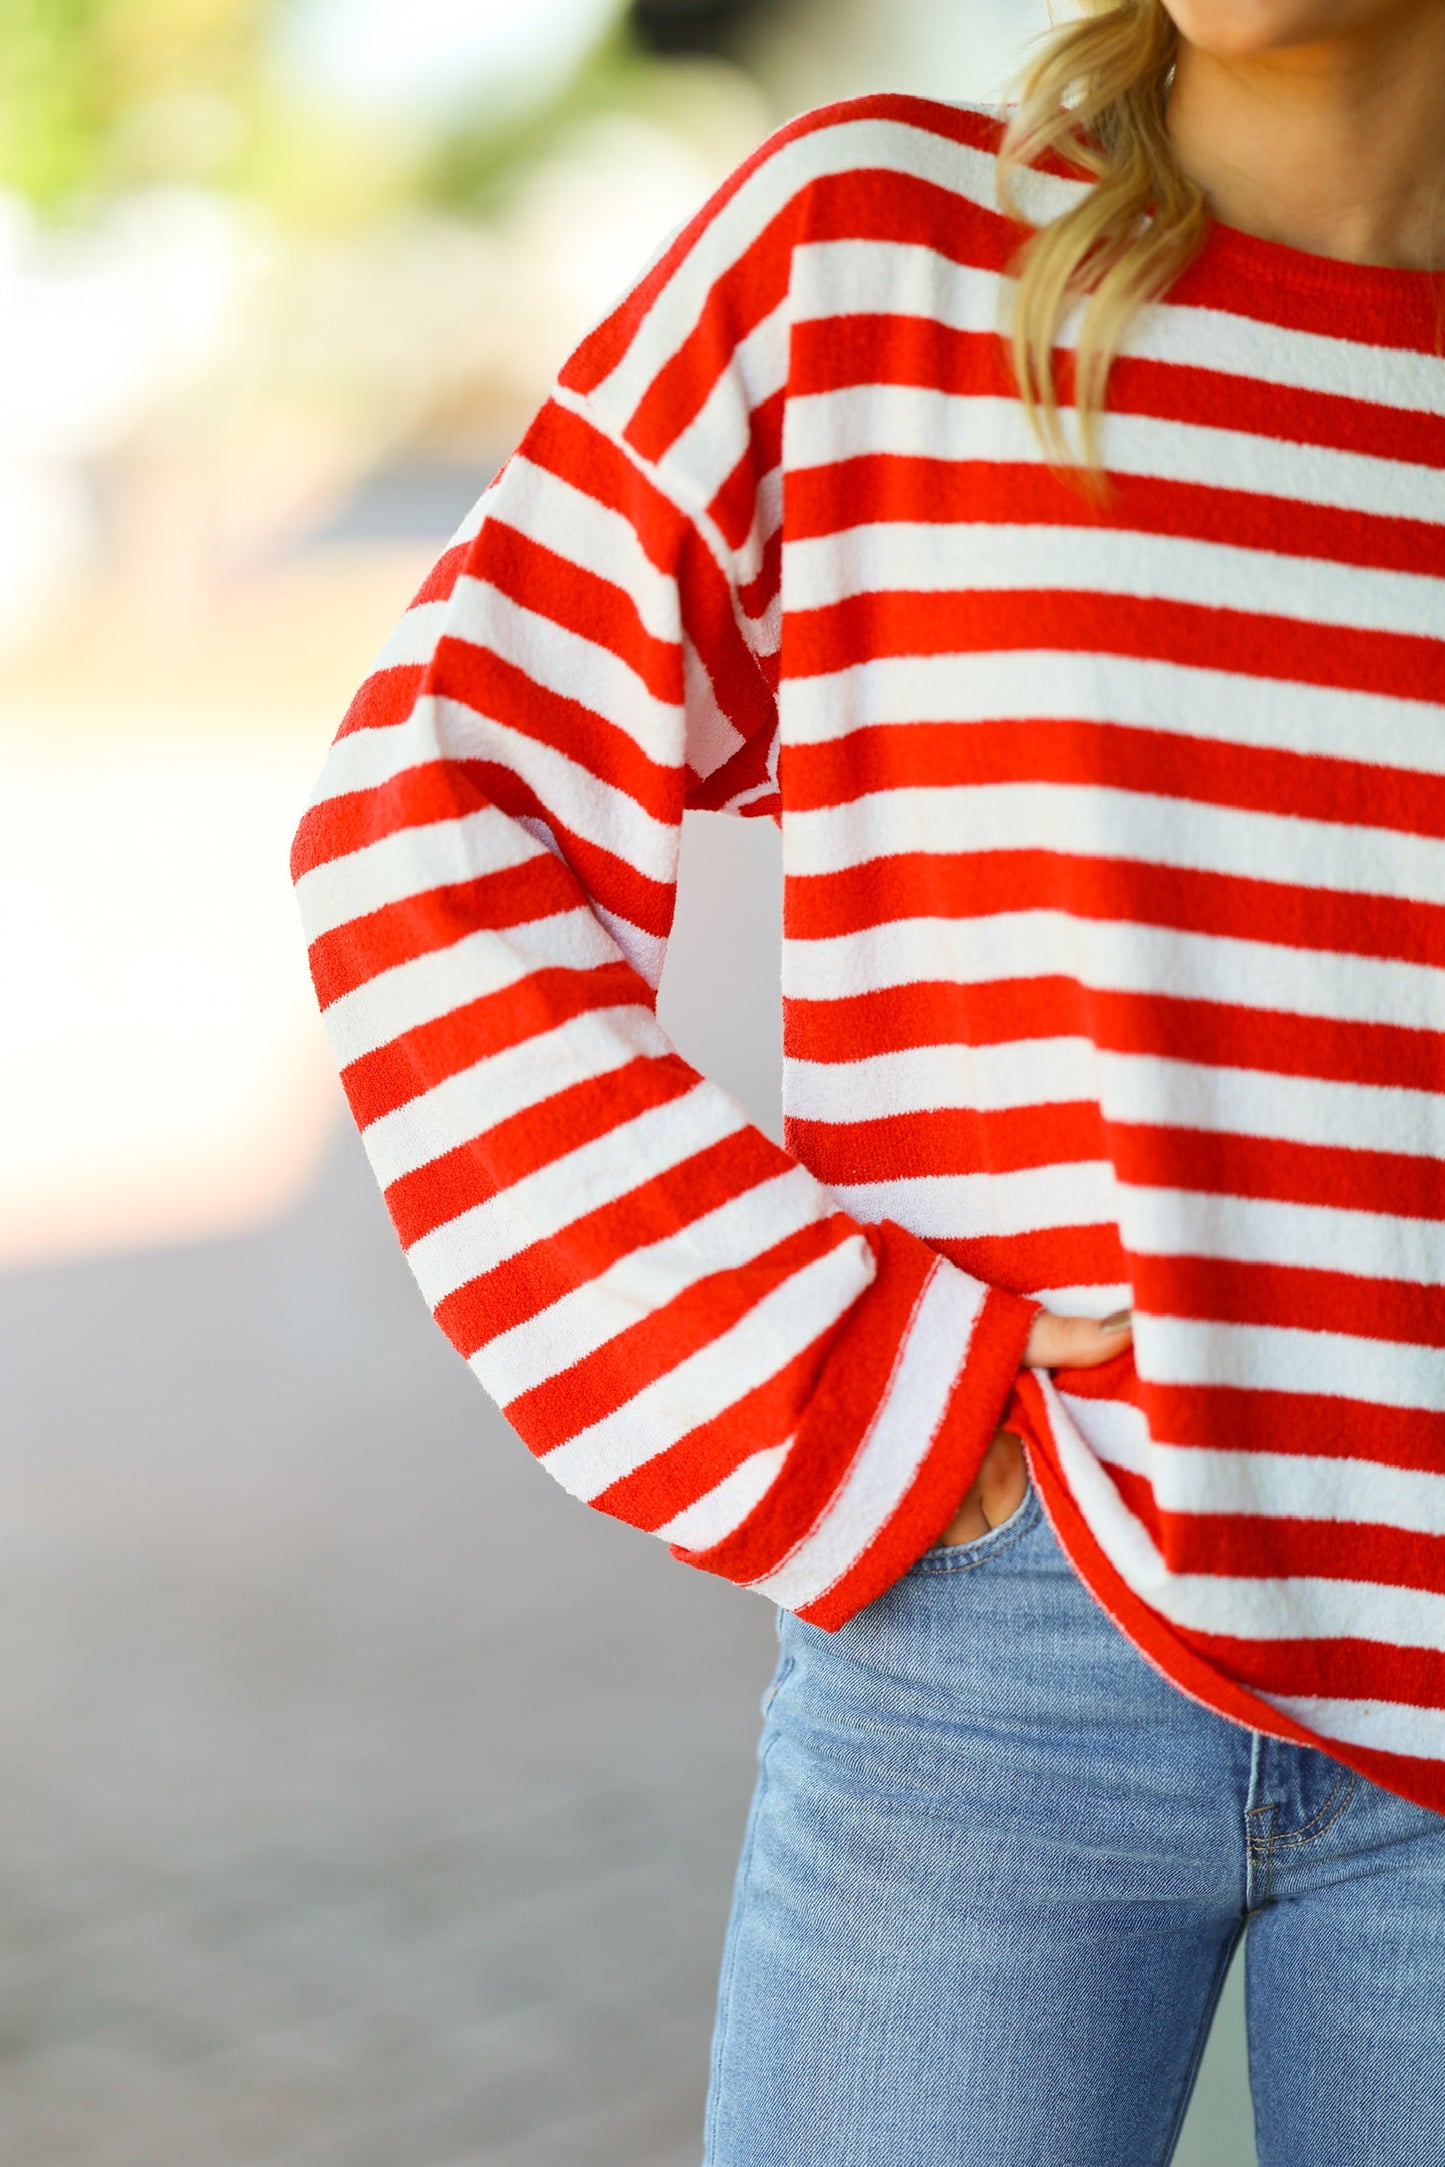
1108, 755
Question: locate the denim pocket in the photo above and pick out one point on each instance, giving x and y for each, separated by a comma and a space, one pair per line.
966, 1557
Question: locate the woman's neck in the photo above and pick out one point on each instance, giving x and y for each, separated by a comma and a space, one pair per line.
1337, 147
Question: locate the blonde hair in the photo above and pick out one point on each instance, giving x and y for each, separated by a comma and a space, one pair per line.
1095, 97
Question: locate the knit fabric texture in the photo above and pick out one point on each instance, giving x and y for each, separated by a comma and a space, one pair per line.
1114, 927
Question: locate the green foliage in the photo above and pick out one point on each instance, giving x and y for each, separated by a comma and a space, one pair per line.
474, 170
96, 94
102, 95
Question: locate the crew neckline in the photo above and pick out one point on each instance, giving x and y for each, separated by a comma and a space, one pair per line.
1236, 249
1249, 256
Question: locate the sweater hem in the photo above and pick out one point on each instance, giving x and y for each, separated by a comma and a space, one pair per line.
1161, 1648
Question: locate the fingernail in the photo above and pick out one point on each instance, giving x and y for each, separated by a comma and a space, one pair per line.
1121, 1321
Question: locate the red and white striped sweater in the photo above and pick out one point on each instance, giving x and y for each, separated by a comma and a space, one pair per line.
1114, 946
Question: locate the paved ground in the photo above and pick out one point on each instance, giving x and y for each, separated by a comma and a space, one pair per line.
364, 1802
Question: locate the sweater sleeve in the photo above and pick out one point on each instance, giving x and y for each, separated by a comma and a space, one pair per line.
673, 1314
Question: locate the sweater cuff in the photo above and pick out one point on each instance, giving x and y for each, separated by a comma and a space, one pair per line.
982, 1388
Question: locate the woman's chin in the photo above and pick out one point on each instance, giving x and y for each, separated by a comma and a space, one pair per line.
1248, 29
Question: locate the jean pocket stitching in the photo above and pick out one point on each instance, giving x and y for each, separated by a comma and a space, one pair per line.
1323, 1820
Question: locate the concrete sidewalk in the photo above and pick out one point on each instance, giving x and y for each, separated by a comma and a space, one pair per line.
364, 1802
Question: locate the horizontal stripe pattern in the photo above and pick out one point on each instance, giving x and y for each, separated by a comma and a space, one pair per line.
1114, 943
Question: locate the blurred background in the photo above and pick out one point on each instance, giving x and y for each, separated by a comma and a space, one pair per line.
363, 1801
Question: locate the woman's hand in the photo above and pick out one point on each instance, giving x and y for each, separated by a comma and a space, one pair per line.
1054, 1343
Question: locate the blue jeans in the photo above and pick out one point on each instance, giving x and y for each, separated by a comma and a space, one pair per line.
994, 1873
